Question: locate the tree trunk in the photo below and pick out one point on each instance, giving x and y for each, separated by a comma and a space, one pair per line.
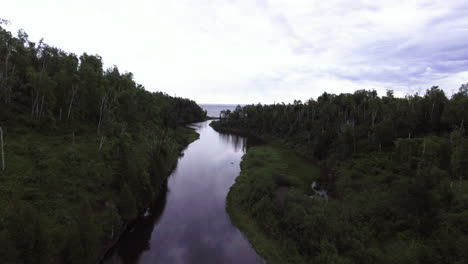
9, 88
101, 143
5, 78
74, 90
1, 145
41, 108
101, 112
32, 103
424, 148
35, 104
374, 116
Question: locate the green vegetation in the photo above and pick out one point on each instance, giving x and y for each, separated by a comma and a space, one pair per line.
396, 170
85, 151
269, 177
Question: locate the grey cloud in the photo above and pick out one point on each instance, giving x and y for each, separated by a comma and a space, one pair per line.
240, 51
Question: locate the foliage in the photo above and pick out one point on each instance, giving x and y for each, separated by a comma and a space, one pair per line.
395, 170
127, 204
259, 201
75, 132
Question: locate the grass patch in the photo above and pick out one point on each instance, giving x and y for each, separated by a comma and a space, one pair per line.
252, 204
268, 248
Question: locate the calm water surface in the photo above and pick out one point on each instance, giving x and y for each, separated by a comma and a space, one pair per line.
189, 224
214, 110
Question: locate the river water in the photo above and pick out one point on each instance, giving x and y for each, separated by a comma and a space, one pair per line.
189, 223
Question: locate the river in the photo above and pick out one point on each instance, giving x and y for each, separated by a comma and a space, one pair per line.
189, 223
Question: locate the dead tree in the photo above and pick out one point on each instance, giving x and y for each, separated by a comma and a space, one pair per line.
101, 143
102, 109
74, 90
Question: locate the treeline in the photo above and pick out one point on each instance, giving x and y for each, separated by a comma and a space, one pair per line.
396, 170
85, 150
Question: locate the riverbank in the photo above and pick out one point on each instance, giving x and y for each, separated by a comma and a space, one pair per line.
391, 191
268, 197
84, 149
185, 136
189, 224
219, 127
60, 182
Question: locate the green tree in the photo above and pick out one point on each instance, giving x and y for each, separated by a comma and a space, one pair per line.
26, 229
127, 204
83, 243
111, 220
7, 248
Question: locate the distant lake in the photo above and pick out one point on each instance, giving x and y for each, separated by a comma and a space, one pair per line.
214, 109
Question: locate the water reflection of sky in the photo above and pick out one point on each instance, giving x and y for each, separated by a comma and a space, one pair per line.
194, 226
214, 110
239, 143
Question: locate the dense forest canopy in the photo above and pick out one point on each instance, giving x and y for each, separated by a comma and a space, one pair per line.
44, 85
352, 123
396, 170
85, 150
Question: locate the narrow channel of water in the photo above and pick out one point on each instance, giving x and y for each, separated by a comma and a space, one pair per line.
189, 224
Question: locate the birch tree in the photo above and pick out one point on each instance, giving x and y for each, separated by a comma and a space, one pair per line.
1, 146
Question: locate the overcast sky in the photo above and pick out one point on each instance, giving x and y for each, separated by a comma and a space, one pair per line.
247, 51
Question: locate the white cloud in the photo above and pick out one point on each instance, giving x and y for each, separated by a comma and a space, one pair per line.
243, 51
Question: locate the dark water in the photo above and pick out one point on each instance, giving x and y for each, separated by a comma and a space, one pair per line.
189, 224
213, 110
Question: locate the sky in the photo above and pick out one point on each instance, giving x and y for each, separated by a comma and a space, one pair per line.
251, 51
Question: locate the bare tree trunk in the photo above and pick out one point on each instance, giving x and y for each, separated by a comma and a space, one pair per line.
44, 66
101, 111
5, 78
101, 143
8, 87
374, 116
36, 111
432, 111
35, 104
74, 90
354, 141
424, 148
461, 126
32, 103
39, 114
3, 153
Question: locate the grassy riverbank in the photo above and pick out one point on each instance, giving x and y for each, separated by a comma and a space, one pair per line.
273, 204
272, 182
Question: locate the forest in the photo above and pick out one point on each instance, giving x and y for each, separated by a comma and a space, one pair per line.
395, 169
84, 150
